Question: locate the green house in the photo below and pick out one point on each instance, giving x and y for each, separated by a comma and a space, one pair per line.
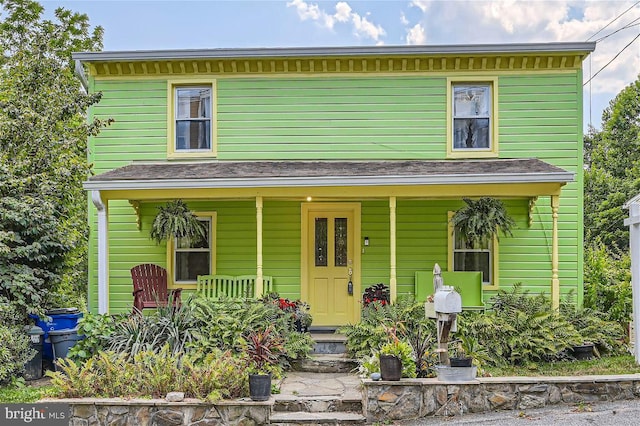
333, 169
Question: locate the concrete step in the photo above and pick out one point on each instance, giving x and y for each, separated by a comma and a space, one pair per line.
318, 404
329, 343
326, 363
302, 418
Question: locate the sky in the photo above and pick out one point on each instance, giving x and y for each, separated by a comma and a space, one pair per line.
153, 24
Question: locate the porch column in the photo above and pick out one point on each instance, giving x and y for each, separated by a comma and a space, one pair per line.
103, 251
555, 281
259, 283
634, 245
392, 249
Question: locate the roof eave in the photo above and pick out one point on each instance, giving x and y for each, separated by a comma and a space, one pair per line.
463, 49
328, 181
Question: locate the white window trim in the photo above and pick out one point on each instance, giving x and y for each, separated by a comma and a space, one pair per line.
494, 255
171, 252
493, 150
172, 105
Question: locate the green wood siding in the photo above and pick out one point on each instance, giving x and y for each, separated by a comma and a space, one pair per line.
341, 117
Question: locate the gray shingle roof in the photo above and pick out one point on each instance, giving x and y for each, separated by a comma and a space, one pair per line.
322, 173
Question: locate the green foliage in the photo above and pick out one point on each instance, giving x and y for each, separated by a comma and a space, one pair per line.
43, 153
403, 351
607, 282
18, 391
97, 330
407, 318
222, 324
479, 220
608, 336
167, 326
15, 349
152, 374
175, 220
613, 166
519, 329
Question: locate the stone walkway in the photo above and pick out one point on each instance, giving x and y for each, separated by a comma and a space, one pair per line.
303, 384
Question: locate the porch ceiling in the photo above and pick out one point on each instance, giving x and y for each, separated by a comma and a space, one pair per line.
308, 174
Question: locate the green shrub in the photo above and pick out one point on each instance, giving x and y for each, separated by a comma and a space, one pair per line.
152, 374
222, 325
607, 282
166, 326
96, 331
608, 336
407, 317
519, 329
15, 349
404, 352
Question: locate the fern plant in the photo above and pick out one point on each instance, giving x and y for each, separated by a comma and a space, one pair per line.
480, 220
175, 220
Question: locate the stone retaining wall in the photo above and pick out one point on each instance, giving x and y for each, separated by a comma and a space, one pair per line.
92, 411
415, 398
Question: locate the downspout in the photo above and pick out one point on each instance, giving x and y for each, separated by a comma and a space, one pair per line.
79, 71
393, 291
103, 254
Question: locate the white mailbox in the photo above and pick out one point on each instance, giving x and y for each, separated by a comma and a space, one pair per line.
447, 301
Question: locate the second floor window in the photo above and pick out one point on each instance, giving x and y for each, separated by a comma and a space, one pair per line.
472, 117
193, 119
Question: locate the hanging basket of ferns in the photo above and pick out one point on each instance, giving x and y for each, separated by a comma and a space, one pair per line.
175, 220
478, 221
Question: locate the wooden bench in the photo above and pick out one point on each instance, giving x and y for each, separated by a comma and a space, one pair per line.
227, 286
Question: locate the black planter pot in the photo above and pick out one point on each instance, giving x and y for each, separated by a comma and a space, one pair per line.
461, 362
583, 351
390, 367
260, 387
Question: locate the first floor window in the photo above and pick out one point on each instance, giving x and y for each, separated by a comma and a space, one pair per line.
193, 258
193, 115
468, 256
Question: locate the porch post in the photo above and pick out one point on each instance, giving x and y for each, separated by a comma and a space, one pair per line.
392, 249
634, 245
555, 281
259, 283
103, 251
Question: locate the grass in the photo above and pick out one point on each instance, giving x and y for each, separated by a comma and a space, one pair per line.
19, 391
624, 364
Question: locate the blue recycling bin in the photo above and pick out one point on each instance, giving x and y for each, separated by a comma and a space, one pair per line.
55, 320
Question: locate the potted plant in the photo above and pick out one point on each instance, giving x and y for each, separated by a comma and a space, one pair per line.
396, 359
460, 358
262, 349
478, 221
175, 220
376, 293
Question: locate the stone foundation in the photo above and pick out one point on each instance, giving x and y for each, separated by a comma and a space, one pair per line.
92, 411
415, 398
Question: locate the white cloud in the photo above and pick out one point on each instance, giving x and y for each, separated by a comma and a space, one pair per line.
343, 12
362, 26
423, 5
416, 34
403, 19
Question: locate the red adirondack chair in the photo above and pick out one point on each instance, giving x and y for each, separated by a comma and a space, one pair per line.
150, 287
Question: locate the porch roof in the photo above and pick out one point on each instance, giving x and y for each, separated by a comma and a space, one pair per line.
263, 174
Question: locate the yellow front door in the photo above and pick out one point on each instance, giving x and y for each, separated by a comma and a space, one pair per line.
332, 287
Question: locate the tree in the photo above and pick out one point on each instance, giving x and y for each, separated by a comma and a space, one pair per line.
43, 158
612, 175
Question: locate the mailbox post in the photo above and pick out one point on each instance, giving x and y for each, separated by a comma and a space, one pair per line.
448, 304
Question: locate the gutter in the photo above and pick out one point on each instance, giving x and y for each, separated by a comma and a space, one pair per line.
226, 53
335, 181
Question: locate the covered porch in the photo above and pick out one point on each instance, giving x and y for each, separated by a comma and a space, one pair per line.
393, 216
